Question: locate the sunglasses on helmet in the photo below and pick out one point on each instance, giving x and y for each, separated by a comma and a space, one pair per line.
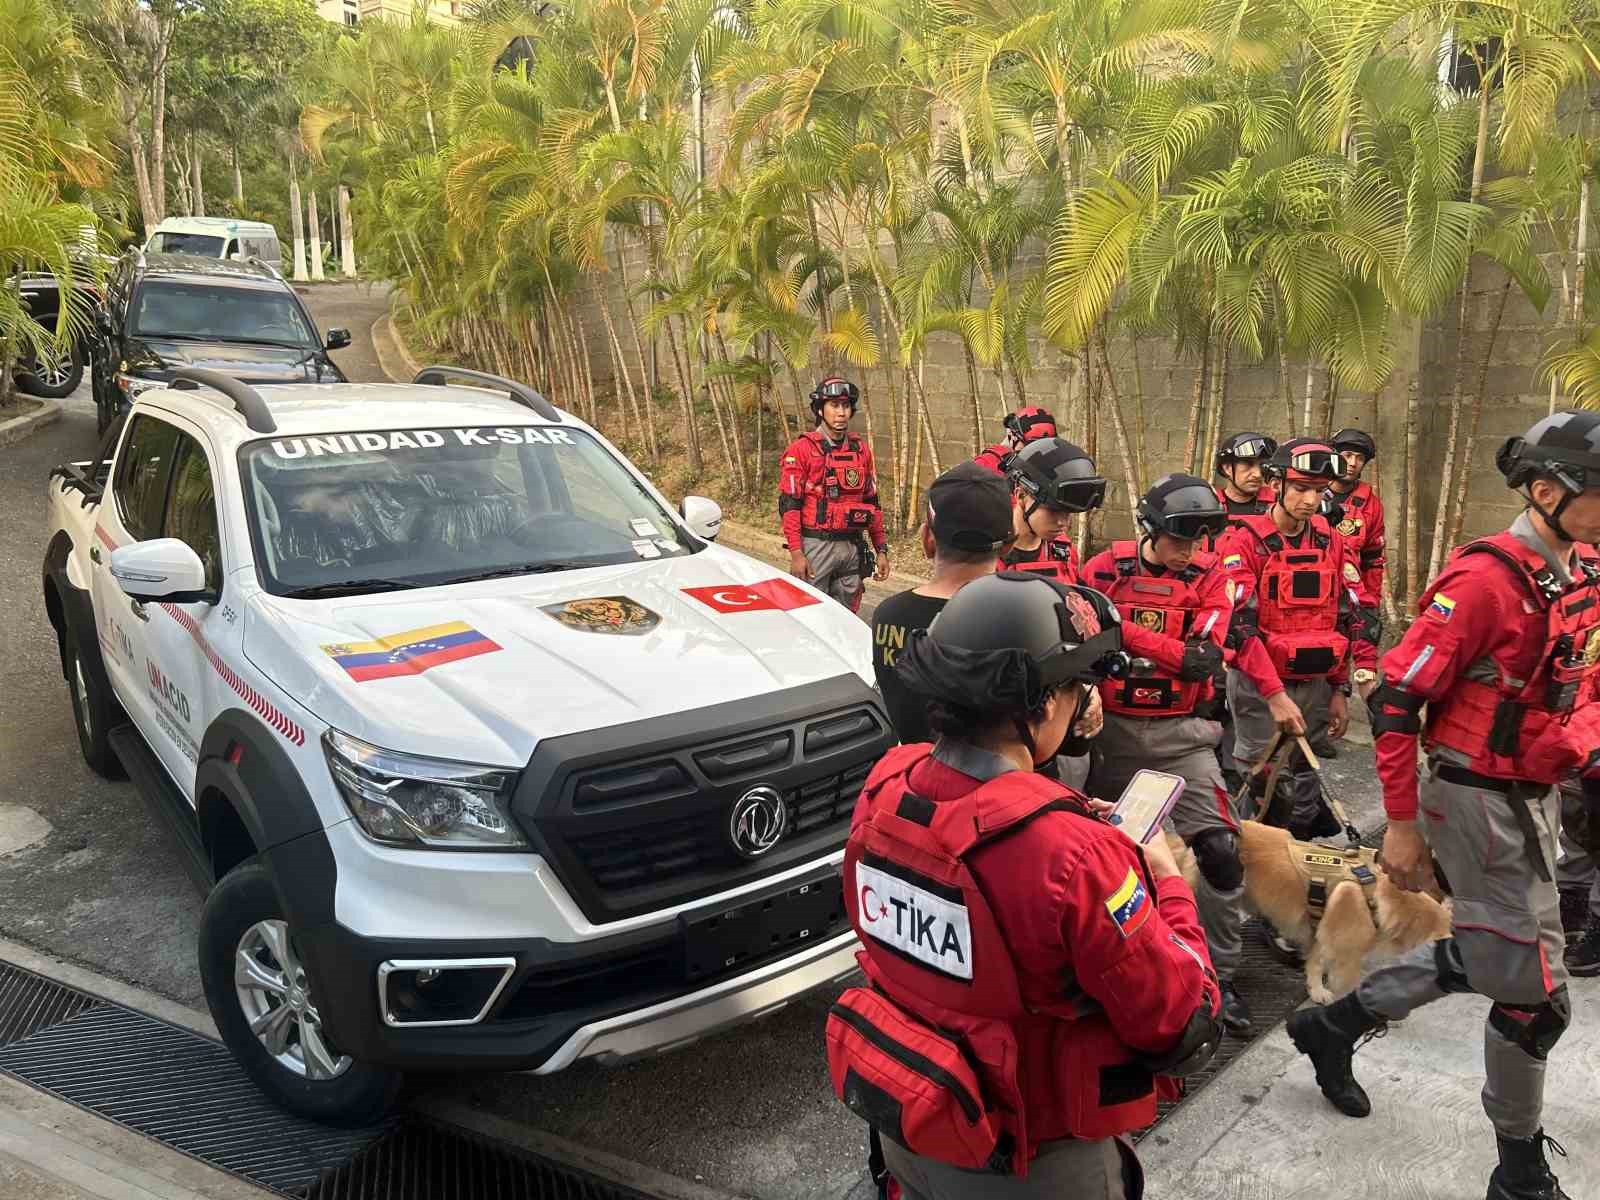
835, 389
1251, 448
1189, 526
1318, 461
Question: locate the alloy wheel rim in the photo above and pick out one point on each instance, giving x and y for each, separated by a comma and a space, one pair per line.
275, 997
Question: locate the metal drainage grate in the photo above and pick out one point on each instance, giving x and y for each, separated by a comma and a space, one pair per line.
426, 1161
186, 1091
1271, 988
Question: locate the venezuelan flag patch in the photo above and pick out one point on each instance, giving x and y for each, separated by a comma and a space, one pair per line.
1442, 608
1233, 560
410, 653
1129, 905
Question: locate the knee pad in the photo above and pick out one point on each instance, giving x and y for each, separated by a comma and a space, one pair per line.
1534, 1030
1216, 853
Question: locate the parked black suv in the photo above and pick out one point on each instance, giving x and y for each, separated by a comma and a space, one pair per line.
162, 312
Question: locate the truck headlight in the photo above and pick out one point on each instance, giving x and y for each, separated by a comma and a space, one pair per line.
131, 387
408, 800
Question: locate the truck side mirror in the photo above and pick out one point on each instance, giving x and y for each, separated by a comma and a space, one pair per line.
102, 321
702, 516
161, 569
338, 339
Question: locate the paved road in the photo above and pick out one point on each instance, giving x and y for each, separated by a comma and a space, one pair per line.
87, 874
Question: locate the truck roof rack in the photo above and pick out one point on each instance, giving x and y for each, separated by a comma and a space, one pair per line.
245, 398
520, 392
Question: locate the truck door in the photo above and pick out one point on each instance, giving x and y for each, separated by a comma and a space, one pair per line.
131, 512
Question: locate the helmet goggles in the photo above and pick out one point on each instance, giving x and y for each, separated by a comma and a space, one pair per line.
1189, 526
1250, 448
1067, 495
835, 389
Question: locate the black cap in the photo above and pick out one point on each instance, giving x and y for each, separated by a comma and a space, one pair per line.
969, 509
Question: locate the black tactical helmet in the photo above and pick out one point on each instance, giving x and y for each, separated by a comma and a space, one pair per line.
834, 388
1181, 506
1005, 640
1565, 446
1245, 447
1058, 475
1357, 440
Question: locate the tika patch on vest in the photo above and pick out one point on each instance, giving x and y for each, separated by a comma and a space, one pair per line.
1152, 619
1129, 905
929, 928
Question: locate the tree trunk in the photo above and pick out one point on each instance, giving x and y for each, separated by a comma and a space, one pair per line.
347, 237
295, 216
1219, 406
1123, 442
977, 402
638, 349
316, 233
158, 114
691, 432
1197, 404
1473, 417
238, 183
1413, 555
198, 187
1141, 453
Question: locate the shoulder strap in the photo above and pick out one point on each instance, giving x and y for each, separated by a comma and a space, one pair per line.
1126, 557
1526, 564
1002, 805
896, 763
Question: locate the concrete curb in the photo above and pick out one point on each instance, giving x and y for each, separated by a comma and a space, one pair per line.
392, 352
18, 428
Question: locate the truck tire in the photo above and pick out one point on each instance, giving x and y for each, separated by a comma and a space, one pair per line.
254, 977
94, 712
53, 383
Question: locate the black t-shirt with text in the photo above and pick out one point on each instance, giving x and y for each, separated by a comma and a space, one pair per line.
892, 625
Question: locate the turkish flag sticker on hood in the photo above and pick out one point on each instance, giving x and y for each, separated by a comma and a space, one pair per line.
771, 594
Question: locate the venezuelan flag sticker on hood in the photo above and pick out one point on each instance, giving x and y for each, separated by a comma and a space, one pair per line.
411, 652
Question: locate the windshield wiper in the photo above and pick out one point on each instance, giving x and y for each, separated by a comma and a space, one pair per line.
350, 587
542, 568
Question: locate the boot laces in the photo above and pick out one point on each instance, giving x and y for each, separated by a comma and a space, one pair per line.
1381, 1031
1546, 1140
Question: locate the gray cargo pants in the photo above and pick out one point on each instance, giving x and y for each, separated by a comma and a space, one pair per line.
1106, 1169
1576, 867
1506, 943
1182, 746
835, 567
1254, 731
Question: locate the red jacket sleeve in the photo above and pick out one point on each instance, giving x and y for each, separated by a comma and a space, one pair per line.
1240, 565
1358, 610
1374, 554
1469, 612
1142, 957
879, 542
794, 473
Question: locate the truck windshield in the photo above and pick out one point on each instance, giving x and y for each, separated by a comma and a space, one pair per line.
203, 244
165, 308
378, 510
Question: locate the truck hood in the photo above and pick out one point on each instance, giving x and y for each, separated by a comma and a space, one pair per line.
158, 358
481, 672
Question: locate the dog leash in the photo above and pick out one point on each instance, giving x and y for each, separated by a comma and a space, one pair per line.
1351, 833
1277, 755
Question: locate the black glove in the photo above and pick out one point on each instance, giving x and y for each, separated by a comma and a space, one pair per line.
1330, 508
1200, 660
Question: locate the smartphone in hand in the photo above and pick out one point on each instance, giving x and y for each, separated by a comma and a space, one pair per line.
1145, 803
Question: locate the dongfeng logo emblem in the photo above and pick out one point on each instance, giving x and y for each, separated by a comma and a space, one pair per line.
758, 821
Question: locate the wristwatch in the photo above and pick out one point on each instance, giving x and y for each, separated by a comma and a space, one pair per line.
1364, 675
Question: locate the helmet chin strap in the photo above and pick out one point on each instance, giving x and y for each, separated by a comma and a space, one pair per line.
1553, 518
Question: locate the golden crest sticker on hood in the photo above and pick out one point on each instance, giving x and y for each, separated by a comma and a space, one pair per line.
604, 614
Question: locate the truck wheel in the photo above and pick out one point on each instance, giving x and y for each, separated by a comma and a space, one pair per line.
93, 712
53, 382
263, 1003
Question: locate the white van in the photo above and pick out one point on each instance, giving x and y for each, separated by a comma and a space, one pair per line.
216, 237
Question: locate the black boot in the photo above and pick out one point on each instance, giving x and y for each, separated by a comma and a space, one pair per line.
1523, 1173
1583, 953
1574, 908
1323, 825
1235, 1015
1329, 1035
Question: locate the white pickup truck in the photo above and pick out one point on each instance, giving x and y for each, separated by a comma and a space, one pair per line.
486, 756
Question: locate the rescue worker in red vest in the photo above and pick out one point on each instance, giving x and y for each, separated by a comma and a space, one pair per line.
1023, 426
1297, 591
1035, 977
1051, 482
1361, 519
1176, 606
1504, 656
828, 500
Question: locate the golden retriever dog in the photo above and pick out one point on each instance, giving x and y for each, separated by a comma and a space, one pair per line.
1335, 945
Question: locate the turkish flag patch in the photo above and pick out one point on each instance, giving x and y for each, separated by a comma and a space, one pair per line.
769, 594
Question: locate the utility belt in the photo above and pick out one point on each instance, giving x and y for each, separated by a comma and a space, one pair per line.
832, 535
1519, 794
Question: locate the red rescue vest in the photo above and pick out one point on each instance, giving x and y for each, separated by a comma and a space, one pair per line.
1297, 599
1164, 604
1056, 558
1517, 726
957, 1050
837, 502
